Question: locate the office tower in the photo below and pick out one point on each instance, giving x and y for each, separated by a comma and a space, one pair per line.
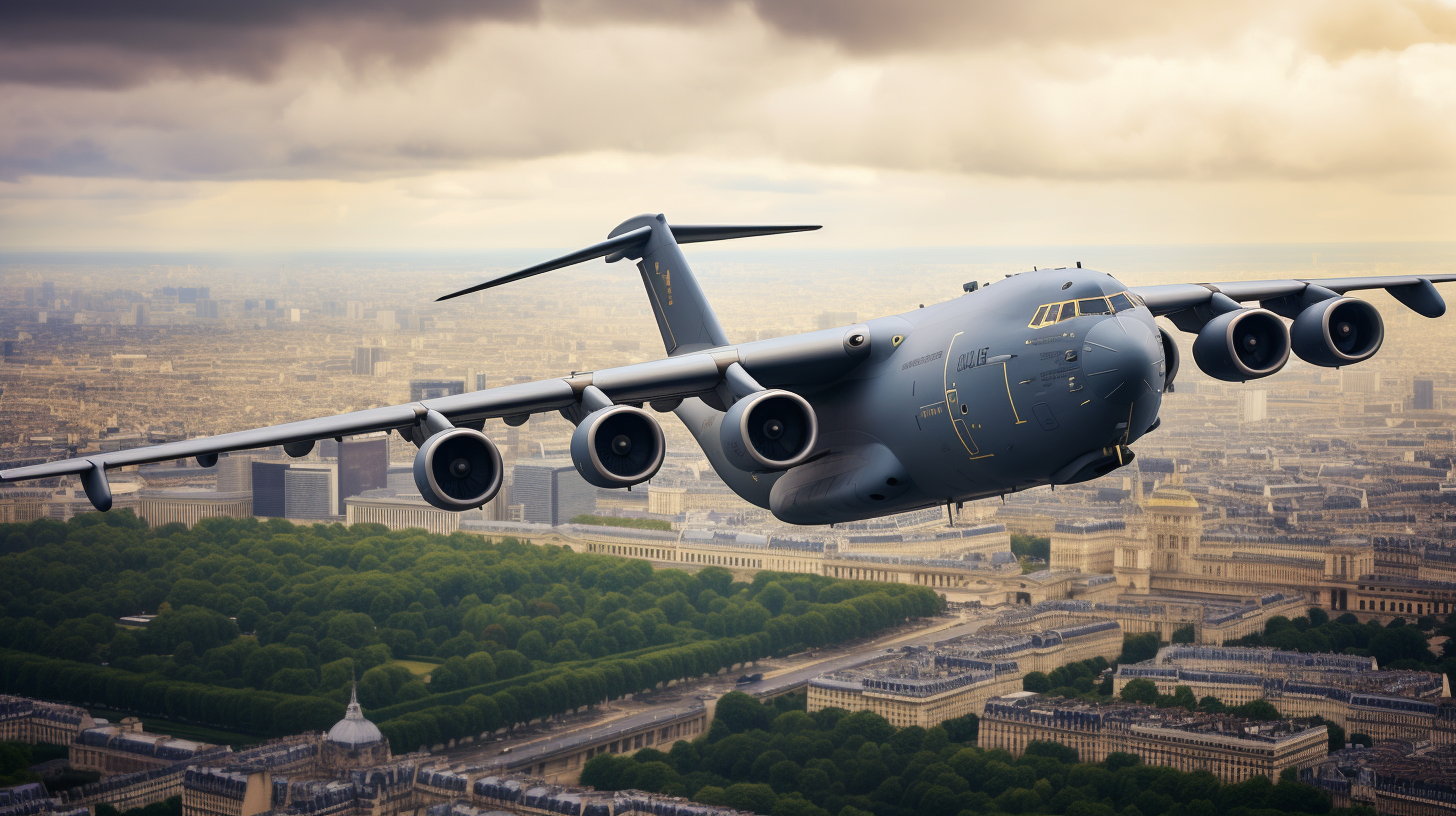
1360, 381
187, 294
354, 310
551, 491
368, 358
142, 315
385, 319
432, 389
207, 308
1424, 397
268, 489
363, 465
1254, 405
235, 473
48, 293
310, 491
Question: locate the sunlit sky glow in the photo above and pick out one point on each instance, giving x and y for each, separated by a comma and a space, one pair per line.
446, 124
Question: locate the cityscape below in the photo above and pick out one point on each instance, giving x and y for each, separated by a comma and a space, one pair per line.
1222, 606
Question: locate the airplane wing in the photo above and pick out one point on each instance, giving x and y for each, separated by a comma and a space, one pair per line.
1414, 291
675, 377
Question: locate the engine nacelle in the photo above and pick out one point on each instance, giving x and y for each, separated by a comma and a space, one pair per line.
1337, 332
769, 430
618, 447
458, 469
1245, 344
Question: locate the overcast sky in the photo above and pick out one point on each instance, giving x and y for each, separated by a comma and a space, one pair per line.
359, 124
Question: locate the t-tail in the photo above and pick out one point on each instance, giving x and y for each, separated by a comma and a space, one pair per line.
684, 317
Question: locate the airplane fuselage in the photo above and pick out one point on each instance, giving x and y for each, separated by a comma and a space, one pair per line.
970, 398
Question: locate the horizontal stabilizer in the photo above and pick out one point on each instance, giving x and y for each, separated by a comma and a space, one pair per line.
694, 233
623, 245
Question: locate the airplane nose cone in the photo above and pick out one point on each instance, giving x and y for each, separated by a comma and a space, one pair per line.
1122, 360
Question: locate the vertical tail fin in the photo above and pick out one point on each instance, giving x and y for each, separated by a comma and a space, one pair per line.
684, 317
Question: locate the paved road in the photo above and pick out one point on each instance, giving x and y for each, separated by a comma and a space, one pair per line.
532, 746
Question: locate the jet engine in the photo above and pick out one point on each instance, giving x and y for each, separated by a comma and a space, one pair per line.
1337, 332
458, 469
769, 430
1244, 344
618, 447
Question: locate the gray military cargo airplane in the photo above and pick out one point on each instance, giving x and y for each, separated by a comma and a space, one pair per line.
1043, 378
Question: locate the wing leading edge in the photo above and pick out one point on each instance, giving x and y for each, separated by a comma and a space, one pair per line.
1173, 297
657, 380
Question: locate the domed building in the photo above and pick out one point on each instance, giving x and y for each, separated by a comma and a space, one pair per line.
354, 742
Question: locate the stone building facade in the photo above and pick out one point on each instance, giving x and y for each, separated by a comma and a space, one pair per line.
928, 687
1234, 750
1348, 690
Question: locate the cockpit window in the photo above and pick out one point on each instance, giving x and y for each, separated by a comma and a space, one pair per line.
1051, 313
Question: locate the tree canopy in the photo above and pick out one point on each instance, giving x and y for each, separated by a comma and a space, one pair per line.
282, 614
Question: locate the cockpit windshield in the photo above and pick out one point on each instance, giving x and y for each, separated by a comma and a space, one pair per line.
1050, 313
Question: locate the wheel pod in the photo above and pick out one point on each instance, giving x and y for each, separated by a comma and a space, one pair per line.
769, 430
1337, 332
1242, 345
618, 447
458, 469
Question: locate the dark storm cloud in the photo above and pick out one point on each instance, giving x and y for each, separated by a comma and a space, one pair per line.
106, 44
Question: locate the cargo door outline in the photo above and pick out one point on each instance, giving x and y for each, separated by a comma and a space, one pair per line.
952, 407
952, 401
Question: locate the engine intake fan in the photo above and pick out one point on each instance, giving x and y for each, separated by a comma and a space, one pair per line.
769, 430
1337, 332
1240, 345
458, 469
618, 447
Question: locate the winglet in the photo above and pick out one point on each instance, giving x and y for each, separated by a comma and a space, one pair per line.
629, 244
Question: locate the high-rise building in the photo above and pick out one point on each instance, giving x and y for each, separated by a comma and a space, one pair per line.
310, 491
1359, 381
1254, 405
385, 319
368, 358
207, 308
48, 292
551, 491
363, 465
354, 310
268, 489
142, 315
1424, 396
433, 389
235, 474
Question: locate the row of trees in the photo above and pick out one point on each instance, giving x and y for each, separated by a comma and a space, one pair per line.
258, 712
832, 763
326, 603
1398, 645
